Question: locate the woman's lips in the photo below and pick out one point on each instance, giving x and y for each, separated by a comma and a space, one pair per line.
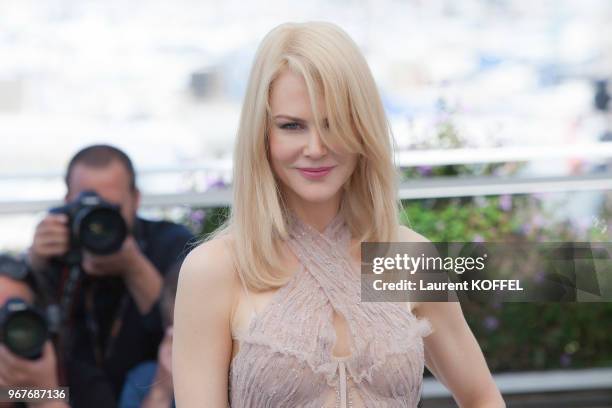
315, 173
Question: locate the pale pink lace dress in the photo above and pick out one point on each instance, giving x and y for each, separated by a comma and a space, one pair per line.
285, 357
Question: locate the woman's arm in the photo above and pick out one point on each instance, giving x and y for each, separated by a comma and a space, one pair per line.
202, 343
452, 353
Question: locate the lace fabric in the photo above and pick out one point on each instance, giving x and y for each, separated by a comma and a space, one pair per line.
286, 356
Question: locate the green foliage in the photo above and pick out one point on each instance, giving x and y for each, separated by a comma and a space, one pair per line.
520, 336
214, 218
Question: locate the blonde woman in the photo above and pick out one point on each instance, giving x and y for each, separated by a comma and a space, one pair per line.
268, 311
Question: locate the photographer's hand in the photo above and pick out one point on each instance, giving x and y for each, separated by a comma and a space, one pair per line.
17, 371
141, 277
41, 373
51, 239
116, 264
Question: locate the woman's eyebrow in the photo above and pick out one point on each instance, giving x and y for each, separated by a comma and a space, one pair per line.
293, 118
299, 120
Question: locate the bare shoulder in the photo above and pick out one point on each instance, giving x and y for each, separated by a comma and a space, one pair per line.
205, 293
407, 234
208, 268
209, 261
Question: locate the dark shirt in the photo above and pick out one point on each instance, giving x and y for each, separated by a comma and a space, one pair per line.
98, 384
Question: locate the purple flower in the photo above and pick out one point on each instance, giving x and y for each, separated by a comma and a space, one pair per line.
478, 238
539, 277
538, 220
491, 323
541, 196
581, 225
565, 360
526, 228
197, 216
505, 202
424, 170
216, 184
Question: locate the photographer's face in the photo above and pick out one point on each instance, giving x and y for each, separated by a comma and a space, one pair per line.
10, 288
111, 182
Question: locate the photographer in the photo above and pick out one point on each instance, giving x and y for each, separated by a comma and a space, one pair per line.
16, 370
113, 321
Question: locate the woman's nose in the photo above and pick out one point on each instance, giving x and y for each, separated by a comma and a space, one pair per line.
315, 147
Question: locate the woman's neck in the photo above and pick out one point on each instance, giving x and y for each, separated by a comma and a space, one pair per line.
317, 215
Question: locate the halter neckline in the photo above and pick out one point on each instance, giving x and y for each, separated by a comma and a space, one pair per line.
297, 227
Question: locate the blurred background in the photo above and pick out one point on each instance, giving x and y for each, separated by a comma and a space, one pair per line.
500, 111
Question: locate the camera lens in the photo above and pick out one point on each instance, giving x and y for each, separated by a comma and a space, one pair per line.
25, 333
102, 231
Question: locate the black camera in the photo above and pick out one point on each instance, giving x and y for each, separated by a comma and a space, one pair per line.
23, 329
95, 225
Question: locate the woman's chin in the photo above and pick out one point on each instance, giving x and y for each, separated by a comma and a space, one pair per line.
319, 196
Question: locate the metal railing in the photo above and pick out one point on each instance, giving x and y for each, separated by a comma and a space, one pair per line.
555, 388
439, 187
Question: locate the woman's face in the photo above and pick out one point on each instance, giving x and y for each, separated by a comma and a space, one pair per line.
308, 170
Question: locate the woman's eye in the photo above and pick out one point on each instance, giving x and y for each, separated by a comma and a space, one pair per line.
291, 126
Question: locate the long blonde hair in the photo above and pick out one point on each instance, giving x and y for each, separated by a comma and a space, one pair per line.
335, 71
